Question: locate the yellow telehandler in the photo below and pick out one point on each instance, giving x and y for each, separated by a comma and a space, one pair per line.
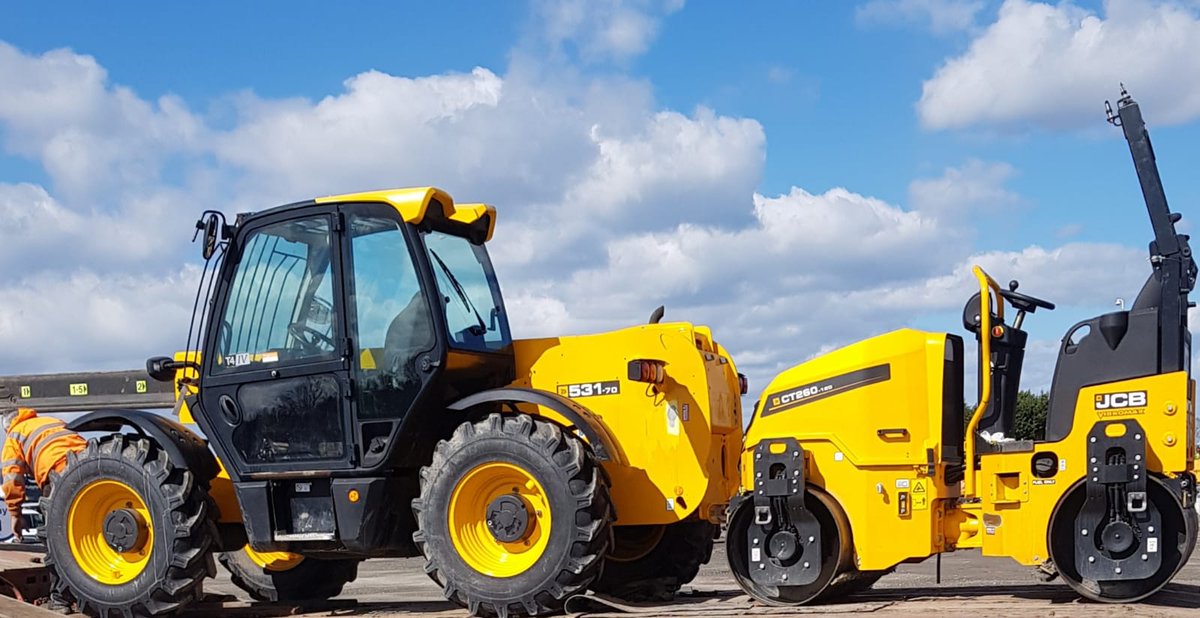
856, 461
355, 392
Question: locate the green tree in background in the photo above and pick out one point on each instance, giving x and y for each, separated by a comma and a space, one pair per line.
1029, 419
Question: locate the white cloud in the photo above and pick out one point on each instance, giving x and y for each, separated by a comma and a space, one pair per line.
939, 16
90, 136
83, 320
605, 30
973, 189
1054, 66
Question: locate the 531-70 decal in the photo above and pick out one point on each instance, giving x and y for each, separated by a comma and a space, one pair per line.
589, 389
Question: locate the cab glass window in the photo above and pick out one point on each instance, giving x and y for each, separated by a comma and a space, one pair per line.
392, 326
470, 296
280, 308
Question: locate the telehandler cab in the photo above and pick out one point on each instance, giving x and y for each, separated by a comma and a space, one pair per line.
855, 461
359, 395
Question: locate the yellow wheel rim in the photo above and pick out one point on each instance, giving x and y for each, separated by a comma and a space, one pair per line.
274, 560
85, 532
467, 521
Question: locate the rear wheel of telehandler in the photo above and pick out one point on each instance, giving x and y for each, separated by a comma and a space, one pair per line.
835, 542
513, 516
1173, 543
287, 577
128, 532
653, 562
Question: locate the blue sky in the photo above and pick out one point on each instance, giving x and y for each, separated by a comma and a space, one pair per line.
799, 175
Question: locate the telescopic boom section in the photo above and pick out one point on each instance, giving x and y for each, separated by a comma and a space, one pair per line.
86, 392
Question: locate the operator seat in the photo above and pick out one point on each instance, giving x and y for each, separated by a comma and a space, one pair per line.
1115, 346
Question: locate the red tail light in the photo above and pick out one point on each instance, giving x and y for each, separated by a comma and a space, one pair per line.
743, 383
643, 370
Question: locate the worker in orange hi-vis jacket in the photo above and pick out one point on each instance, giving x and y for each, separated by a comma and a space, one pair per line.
35, 446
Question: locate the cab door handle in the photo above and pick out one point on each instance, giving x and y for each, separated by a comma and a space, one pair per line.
895, 432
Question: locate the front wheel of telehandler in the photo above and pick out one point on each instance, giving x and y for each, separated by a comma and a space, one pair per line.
287, 577
1117, 544
513, 516
128, 532
653, 562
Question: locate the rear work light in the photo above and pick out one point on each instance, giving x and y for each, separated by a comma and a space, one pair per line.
743, 383
643, 370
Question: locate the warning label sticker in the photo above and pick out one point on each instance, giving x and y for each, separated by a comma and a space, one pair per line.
920, 494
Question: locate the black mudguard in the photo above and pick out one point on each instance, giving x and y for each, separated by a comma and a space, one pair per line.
590, 425
186, 449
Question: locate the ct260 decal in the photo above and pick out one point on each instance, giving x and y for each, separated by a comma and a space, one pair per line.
1125, 403
795, 397
589, 389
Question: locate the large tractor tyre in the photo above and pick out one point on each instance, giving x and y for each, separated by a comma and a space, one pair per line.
128, 532
513, 517
287, 577
651, 563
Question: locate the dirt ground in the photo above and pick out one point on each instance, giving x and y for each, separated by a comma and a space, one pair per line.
971, 585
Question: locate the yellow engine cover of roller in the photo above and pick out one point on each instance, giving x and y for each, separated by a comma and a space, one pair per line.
869, 418
678, 441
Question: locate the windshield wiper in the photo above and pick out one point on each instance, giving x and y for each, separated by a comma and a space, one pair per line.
462, 294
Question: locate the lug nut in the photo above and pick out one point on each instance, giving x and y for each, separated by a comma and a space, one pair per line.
1091, 558
1084, 532
806, 565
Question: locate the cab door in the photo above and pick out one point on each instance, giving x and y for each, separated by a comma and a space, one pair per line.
395, 342
276, 386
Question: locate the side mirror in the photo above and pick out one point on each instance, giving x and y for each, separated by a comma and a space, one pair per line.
161, 368
211, 226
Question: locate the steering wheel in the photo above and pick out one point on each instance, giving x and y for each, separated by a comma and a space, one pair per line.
1024, 302
309, 337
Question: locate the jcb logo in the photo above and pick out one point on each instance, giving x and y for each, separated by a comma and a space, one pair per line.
1110, 401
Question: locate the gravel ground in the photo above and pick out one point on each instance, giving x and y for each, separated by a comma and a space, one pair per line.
971, 585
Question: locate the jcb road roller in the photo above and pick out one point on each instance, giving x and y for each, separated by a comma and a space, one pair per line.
861, 459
